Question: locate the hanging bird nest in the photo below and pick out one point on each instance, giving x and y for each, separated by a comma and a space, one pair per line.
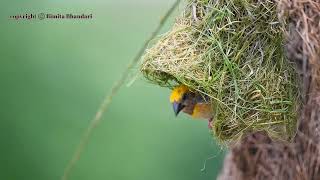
231, 51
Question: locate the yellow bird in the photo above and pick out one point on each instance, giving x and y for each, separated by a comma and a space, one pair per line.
192, 103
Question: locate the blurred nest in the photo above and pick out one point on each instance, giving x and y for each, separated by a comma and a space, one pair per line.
231, 51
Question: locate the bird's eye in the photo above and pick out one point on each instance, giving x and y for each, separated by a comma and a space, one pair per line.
184, 97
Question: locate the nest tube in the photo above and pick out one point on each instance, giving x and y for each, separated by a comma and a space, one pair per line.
231, 51
256, 156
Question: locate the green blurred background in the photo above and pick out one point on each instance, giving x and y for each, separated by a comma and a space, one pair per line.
55, 73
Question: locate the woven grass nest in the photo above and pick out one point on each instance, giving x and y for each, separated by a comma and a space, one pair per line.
231, 51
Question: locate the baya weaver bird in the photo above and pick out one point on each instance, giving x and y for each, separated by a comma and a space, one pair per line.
192, 103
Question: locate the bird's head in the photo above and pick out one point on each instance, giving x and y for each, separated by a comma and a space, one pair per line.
179, 97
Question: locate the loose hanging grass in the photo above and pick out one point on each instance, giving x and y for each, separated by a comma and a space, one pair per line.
231, 51
108, 99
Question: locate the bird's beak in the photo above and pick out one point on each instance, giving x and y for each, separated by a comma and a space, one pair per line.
177, 107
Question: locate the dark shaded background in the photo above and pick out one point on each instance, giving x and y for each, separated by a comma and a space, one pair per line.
55, 73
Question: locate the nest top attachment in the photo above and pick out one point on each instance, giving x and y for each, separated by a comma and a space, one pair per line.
231, 51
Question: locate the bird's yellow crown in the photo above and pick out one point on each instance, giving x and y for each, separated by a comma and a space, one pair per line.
178, 92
